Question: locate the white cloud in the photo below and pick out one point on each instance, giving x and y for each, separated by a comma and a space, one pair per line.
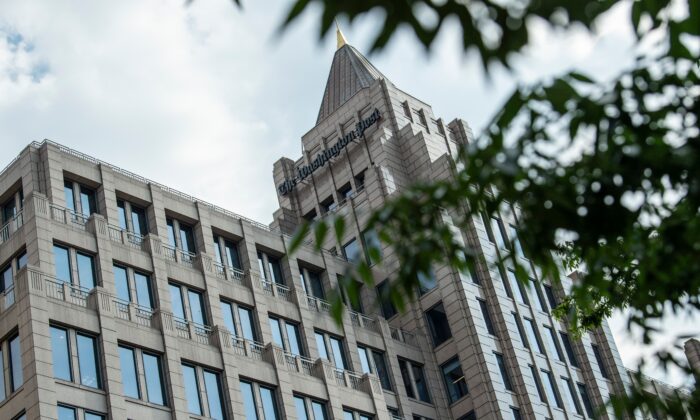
205, 98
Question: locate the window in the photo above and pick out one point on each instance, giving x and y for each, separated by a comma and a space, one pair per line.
372, 361
551, 339
226, 253
331, 348
79, 198
309, 409
414, 380
515, 288
345, 192
132, 218
7, 277
487, 317
470, 271
388, 308
499, 235
9, 209
516, 242
351, 293
538, 384
504, 371
21, 416
134, 360
133, 286
407, 110
469, 416
535, 295
568, 348
198, 381
181, 235
454, 380
570, 396
438, 324
270, 268
285, 334
267, 409
601, 362
66, 412
351, 251
67, 258
373, 247
328, 205
426, 281
519, 326
586, 399
516, 413
550, 296
532, 336
360, 180
311, 282
67, 345
550, 389
14, 378
191, 309
239, 320
349, 414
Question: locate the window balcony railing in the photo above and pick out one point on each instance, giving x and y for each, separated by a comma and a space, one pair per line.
345, 378
124, 237
403, 336
11, 227
317, 304
227, 272
363, 321
69, 217
133, 312
61, 290
271, 288
7, 299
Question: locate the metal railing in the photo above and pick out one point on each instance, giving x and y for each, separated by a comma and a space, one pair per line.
68, 217
227, 272
363, 321
11, 227
281, 291
403, 336
7, 298
318, 305
61, 290
124, 237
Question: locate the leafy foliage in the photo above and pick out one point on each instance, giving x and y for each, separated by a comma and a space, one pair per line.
605, 174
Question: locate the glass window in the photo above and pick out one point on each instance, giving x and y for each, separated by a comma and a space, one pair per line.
121, 210
586, 399
300, 406
498, 234
487, 317
269, 403
261, 266
227, 312
535, 295
93, 416
601, 362
516, 242
516, 413
232, 257
87, 201
405, 375
66, 413
316, 284
197, 307
550, 389
187, 238
86, 271
130, 382
338, 353
538, 384
171, 233
426, 281
3, 391
294, 339
569, 395
88, 361
212, 383
351, 250
321, 346
521, 333
504, 371
16, 374
177, 302
551, 339
275, 270
515, 287
69, 196
248, 401
143, 290
532, 336
439, 326
154, 379
60, 350
568, 348
138, 220
382, 371
364, 360
62, 262
372, 242
22, 260
121, 282
276, 332
550, 296
191, 390
388, 308
246, 319
421, 384
217, 250
347, 415
454, 380
319, 410
6, 279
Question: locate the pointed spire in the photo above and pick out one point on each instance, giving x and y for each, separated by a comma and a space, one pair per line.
339, 35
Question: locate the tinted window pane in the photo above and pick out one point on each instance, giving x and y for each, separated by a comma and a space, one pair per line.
261, 266
551, 342
217, 250
87, 361
515, 288
421, 385
22, 260
586, 400
232, 255
246, 320
93, 416
276, 270
338, 353
227, 312
197, 307
347, 415
191, 390
319, 410
454, 380
61, 354
550, 389
213, 388
269, 404
532, 336
143, 290
351, 250
300, 408
569, 349
403, 366
171, 233
439, 326
130, 382
294, 340
6, 280
321, 346
426, 281
62, 261
68, 193
382, 371
121, 282
186, 238
86, 271
569, 395
176, 298
121, 210
248, 401
276, 333
154, 378
504, 371
3, 392
87, 201
364, 360
138, 220
487, 317
388, 309
316, 285
66, 413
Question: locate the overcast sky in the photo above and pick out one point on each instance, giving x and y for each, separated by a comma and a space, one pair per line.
205, 98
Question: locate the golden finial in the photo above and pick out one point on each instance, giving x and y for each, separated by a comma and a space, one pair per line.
339, 35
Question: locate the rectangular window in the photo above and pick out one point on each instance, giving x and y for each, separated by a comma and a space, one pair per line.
293, 338
66, 413
62, 262
187, 238
67, 345
515, 288
388, 308
88, 360
15, 364
196, 301
498, 233
438, 324
516, 242
212, 386
538, 384
504, 371
138, 221
153, 371
266, 409
586, 399
130, 379
351, 251
521, 333
121, 282
171, 233
406, 376
516, 413
306, 405
275, 270
569, 349
487, 317
189, 376
86, 270
601, 362
372, 361
196, 311
551, 339
88, 204
246, 319
68, 195
550, 296
426, 281
60, 350
532, 336
454, 380
420, 382
373, 247
550, 389
570, 396
535, 295
227, 310
249, 405
332, 350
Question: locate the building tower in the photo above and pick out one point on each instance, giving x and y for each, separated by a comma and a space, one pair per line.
488, 347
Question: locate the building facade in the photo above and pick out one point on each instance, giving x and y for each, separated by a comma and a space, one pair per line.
122, 298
